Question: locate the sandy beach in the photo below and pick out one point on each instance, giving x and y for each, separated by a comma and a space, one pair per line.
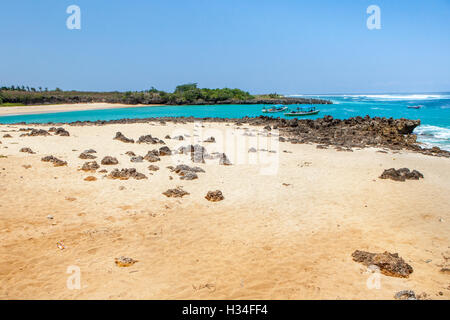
23, 110
285, 233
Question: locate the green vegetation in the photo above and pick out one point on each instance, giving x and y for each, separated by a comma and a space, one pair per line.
185, 94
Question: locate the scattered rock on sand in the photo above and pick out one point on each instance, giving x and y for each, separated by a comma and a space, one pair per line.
119, 136
405, 295
124, 261
175, 193
90, 178
35, 133
223, 160
108, 161
214, 196
7, 136
56, 162
27, 150
125, 174
390, 264
401, 174
90, 166
89, 151
130, 153
153, 167
152, 156
252, 150
167, 137
268, 128
86, 156
188, 176
210, 140
180, 138
165, 151
62, 132
149, 139
137, 159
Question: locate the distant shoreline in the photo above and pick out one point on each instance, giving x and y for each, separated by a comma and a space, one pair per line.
58, 108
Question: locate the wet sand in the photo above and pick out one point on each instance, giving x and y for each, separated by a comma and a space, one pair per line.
288, 234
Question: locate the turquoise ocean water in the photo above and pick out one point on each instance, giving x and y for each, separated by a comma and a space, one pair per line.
434, 112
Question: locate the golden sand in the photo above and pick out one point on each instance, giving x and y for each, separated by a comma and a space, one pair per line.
288, 235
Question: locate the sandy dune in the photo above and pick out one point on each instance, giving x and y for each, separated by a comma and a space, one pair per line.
288, 234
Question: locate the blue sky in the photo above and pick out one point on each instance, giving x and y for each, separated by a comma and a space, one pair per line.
285, 46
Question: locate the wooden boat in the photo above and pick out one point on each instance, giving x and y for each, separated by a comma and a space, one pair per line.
302, 112
274, 109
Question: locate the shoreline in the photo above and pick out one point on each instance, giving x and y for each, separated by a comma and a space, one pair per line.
69, 107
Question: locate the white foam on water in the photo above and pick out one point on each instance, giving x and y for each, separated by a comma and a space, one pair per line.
434, 136
383, 96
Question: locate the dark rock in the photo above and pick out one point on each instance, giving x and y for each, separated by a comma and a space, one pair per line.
175, 193
223, 160
153, 167
149, 140
130, 153
214, 196
390, 264
27, 150
268, 128
210, 140
252, 150
36, 132
7, 135
401, 174
85, 155
56, 162
165, 151
125, 174
405, 295
119, 136
152, 156
90, 166
62, 132
188, 175
108, 161
137, 159
167, 137
180, 138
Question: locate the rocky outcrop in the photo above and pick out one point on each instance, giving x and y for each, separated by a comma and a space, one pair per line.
390, 264
56, 162
210, 140
149, 140
186, 172
401, 174
90, 166
61, 132
86, 156
109, 161
175, 193
27, 150
119, 136
153, 167
126, 174
152, 156
137, 159
165, 151
214, 196
356, 132
36, 133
